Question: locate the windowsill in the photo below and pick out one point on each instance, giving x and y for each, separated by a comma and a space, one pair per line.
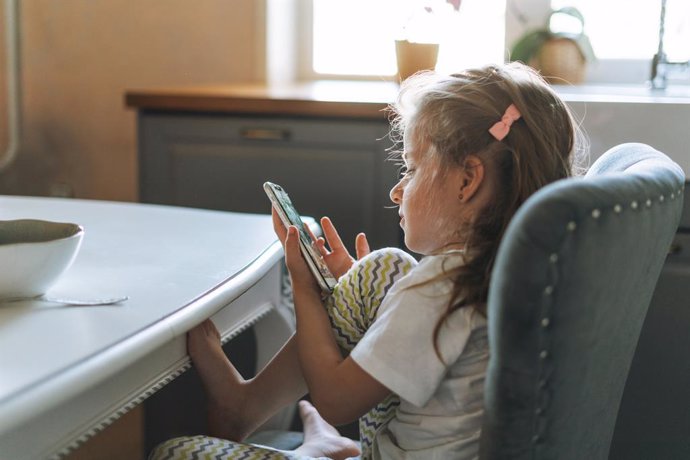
635, 93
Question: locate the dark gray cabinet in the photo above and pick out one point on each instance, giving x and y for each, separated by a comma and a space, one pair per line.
334, 167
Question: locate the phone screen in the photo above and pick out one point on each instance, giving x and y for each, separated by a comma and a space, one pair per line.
290, 216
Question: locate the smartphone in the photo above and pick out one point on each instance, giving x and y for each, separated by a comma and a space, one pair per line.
289, 215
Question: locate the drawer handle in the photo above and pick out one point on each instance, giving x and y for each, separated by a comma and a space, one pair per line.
265, 134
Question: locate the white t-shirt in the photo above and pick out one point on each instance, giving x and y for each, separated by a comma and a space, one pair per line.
441, 409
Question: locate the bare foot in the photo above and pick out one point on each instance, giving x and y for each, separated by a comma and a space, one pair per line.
321, 439
228, 416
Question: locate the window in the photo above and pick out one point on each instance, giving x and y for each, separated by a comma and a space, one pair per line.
625, 36
620, 29
357, 37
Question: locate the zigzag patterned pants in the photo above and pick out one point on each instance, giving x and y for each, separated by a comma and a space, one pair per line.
352, 308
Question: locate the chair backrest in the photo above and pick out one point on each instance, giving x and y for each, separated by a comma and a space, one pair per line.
571, 286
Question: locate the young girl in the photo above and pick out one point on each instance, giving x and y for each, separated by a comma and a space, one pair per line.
401, 345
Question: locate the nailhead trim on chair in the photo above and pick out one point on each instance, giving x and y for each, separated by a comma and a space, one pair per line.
545, 320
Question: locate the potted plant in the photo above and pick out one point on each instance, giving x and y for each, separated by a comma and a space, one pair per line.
419, 50
560, 56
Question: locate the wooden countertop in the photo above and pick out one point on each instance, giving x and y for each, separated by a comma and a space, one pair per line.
342, 99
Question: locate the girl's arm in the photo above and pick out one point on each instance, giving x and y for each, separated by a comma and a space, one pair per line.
238, 406
339, 388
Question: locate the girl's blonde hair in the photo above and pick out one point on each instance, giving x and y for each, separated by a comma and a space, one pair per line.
451, 116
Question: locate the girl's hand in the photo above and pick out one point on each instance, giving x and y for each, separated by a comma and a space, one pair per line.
278, 227
338, 258
300, 275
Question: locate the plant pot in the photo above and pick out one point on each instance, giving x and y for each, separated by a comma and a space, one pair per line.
413, 57
560, 61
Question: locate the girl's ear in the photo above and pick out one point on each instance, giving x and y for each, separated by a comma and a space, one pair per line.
471, 177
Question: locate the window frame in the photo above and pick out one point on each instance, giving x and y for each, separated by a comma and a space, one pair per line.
603, 71
305, 37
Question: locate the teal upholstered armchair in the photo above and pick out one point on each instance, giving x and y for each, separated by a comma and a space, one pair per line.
572, 283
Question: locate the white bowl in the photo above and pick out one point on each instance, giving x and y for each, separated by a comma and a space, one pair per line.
33, 255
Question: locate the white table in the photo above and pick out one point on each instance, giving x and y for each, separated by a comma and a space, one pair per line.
68, 372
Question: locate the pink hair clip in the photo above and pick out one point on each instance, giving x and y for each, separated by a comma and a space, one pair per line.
502, 127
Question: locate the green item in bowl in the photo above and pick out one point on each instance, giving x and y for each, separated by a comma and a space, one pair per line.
35, 231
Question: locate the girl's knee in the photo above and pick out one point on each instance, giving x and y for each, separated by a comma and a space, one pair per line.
391, 256
373, 275
354, 303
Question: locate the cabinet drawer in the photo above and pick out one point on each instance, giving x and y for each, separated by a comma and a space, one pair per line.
296, 131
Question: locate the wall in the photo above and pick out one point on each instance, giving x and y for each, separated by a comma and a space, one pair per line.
78, 59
